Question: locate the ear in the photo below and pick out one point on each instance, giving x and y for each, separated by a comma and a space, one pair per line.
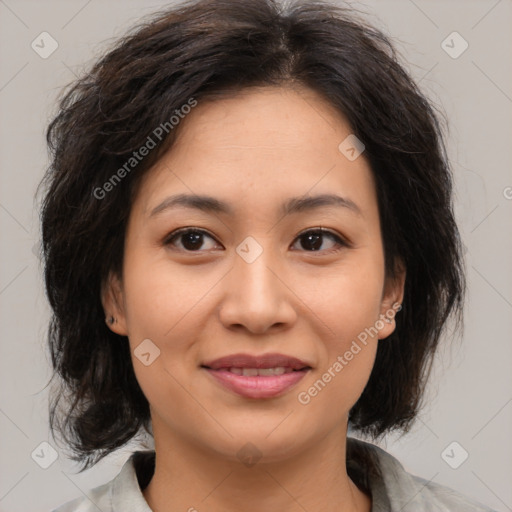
112, 298
392, 298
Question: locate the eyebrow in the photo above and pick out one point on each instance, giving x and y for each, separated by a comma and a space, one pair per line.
210, 204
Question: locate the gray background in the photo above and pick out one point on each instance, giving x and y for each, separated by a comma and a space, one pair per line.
470, 396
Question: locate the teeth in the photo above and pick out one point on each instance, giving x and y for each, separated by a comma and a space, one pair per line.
249, 372
270, 371
254, 372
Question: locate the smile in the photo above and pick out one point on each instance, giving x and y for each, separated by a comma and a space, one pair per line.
265, 376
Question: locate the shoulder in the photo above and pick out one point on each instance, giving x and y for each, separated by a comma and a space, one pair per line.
446, 498
393, 488
97, 498
121, 493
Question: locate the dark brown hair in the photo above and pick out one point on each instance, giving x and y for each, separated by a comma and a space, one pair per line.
208, 48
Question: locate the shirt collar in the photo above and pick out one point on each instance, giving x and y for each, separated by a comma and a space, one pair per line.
126, 492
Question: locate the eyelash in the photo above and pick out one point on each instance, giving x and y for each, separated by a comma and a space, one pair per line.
340, 242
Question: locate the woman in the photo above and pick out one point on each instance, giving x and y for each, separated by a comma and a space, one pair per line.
249, 246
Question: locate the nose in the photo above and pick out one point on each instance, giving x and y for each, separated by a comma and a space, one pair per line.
256, 297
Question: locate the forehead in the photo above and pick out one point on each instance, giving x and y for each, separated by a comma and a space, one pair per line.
274, 119
269, 141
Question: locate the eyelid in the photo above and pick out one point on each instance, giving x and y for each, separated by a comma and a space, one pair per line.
186, 230
167, 239
324, 231
339, 239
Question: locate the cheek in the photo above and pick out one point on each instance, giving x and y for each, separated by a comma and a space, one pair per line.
161, 306
169, 306
347, 357
348, 306
158, 295
351, 353
348, 299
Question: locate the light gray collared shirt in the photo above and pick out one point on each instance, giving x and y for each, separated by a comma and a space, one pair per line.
391, 487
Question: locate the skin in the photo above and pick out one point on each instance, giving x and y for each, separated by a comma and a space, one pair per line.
253, 151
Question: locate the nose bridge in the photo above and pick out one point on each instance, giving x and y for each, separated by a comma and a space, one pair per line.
252, 270
255, 297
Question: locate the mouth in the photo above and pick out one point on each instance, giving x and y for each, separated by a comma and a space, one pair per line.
265, 376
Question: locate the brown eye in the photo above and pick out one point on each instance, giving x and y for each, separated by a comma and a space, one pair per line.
315, 240
190, 239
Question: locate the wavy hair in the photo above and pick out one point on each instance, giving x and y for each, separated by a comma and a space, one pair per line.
207, 49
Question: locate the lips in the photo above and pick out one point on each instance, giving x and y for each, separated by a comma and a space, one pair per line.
265, 376
263, 361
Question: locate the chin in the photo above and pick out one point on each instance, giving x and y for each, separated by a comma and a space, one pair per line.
269, 441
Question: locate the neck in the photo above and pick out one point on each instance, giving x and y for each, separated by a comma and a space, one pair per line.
189, 478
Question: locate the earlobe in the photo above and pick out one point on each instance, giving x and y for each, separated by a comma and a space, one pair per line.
112, 300
391, 303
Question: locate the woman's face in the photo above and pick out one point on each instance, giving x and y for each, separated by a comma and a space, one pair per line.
253, 276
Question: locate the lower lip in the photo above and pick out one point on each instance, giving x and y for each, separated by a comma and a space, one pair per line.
260, 386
